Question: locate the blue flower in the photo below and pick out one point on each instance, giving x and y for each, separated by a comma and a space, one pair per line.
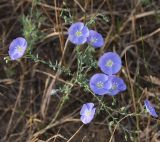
117, 85
110, 63
95, 39
150, 108
87, 113
99, 84
78, 33
17, 48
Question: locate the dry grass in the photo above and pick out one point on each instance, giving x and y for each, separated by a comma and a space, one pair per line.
28, 112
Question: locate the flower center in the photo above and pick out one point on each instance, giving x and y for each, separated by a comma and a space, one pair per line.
88, 113
109, 63
99, 84
19, 48
114, 86
150, 107
93, 40
78, 33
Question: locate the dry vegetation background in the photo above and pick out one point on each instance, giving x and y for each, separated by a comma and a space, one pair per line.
28, 113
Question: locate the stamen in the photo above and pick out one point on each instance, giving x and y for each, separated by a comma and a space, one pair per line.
109, 63
100, 84
88, 113
114, 86
19, 48
78, 33
93, 40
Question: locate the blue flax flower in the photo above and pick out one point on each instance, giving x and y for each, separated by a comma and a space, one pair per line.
78, 33
95, 39
117, 85
150, 108
17, 48
87, 112
99, 83
110, 63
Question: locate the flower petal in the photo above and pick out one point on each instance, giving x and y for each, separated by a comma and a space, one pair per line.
90, 106
78, 33
17, 48
102, 79
74, 27
95, 39
117, 84
113, 67
87, 113
150, 108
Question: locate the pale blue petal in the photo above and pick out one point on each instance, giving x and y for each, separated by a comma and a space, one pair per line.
95, 39
83, 109
85, 31
75, 27
13, 52
90, 106
85, 119
116, 81
99, 77
117, 63
150, 108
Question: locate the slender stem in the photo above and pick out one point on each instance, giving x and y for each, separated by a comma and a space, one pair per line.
132, 114
75, 133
